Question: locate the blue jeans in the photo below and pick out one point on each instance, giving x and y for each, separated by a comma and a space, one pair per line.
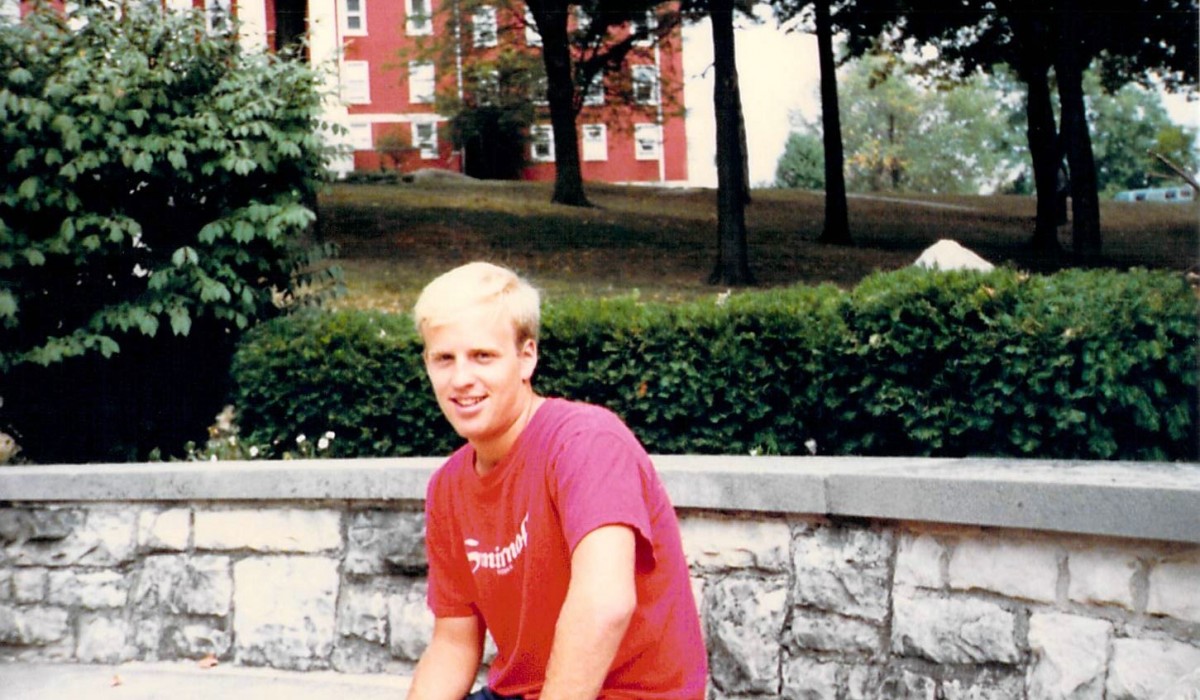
486, 693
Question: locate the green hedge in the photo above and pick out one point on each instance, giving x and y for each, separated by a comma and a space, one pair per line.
1092, 364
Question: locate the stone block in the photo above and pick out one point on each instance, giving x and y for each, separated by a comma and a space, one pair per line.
91, 590
50, 524
284, 530
164, 530
919, 561
863, 682
987, 685
103, 639
1069, 656
195, 640
183, 584
286, 611
410, 621
29, 585
810, 679
33, 626
820, 631
746, 619
385, 542
6, 587
1102, 576
363, 613
954, 631
717, 545
905, 684
1175, 587
58, 538
845, 570
1010, 567
1186, 688
1146, 669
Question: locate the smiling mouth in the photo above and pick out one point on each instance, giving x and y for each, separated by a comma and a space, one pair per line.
468, 402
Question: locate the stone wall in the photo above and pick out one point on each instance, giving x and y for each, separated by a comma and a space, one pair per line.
304, 572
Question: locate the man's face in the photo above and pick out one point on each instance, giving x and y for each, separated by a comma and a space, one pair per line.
480, 377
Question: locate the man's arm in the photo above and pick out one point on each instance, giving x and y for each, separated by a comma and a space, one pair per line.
447, 668
600, 602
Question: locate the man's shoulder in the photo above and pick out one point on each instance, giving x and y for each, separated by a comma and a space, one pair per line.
565, 417
450, 469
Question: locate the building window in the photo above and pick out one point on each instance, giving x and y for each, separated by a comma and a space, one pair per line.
356, 82
425, 139
595, 142
645, 85
354, 17
647, 141
541, 144
532, 36
644, 26
541, 91
418, 20
420, 82
217, 14
486, 86
594, 95
483, 26
359, 137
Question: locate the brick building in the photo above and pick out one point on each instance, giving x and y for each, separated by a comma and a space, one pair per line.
378, 95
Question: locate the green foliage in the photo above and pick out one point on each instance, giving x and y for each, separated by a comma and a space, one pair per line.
802, 163
900, 132
155, 186
1077, 365
356, 373
1128, 124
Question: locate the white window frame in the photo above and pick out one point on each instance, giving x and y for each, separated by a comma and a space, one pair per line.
649, 23
415, 23
359, 136
212, 10
541, 91
356, 82
484, 26
541, 135
645, 79
349, 17
533, 37
595, 142
594, 95
428, 146
647, 141
422, 82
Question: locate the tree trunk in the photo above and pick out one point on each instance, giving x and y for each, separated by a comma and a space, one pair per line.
1085, 200
837, 219
1046, 154
551, 20
733, 266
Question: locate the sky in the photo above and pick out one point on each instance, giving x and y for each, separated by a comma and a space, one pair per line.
778, 74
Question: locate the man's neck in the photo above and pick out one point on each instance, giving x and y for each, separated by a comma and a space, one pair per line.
488, 456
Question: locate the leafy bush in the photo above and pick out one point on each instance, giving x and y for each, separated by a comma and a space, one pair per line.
152, 202
1076, 365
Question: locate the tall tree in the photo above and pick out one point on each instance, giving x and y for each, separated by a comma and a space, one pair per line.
551, 18
1133, 40
837, 218
836, 228
733, 262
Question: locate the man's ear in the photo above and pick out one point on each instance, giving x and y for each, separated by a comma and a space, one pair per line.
527, 354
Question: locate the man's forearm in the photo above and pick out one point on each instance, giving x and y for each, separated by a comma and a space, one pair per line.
446, 670
586, 640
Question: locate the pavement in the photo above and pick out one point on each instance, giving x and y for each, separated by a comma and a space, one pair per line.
188, 681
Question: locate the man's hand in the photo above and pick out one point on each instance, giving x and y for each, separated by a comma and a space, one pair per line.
600, 602
447, 668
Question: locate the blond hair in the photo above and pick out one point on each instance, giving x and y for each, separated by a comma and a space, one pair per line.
480, 284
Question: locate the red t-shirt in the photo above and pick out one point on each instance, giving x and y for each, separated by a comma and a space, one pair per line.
500, 546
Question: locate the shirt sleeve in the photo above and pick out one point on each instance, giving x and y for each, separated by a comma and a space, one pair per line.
451, 587
599, 478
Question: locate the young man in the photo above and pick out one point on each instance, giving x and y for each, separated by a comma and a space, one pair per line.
549, 529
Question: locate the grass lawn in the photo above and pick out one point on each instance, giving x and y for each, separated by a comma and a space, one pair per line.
662, 242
